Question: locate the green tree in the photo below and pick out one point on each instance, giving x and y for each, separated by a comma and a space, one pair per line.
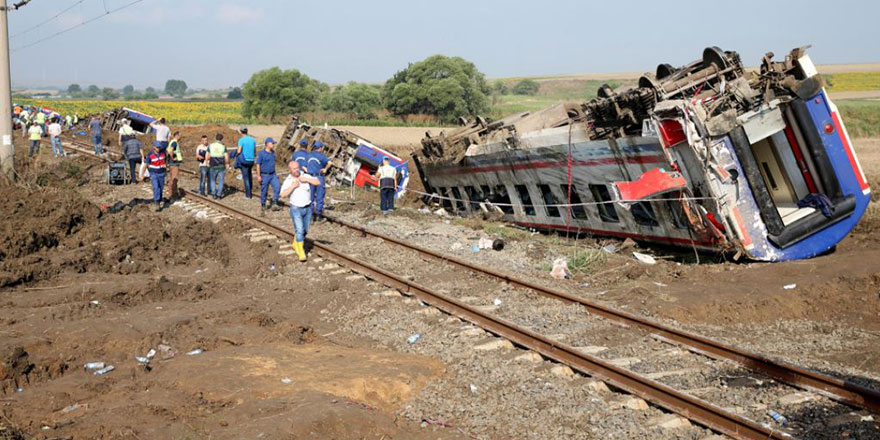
128, 90
447, 87
109, 94
93, 91
175, 87
235, 93
500, 88
526, 87
356, 98
73, 89
274, 92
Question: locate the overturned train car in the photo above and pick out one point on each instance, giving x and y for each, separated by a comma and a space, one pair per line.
705, 155
355, 159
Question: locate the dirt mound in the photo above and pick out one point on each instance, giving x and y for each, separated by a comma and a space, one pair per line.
64, 232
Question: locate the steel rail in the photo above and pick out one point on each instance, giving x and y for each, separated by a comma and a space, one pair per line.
834, 388
692, 408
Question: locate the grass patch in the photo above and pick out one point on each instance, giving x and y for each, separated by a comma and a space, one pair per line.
861, 117
586, 261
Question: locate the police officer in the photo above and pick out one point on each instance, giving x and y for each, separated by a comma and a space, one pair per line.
317, 165
301, 155
265, 165
156, 164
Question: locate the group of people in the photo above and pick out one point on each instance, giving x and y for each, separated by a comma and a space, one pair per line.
163, 158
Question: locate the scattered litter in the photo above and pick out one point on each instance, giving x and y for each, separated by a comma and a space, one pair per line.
151, 353
441, 212
560, 269
158, 307
424, 210
198, 271
422, 303
485, 243
658, 284
610, 248
19, 390
644, 258
46, 428
272, 267
415, 337
446, 222
194, 352
497, 302
201, 214
167, 351
104, 370
287, 380
475, 248
93, 366
142, 359
789, 286
473, 388
497, 244
586, 284
456, 246
778, 418
74, 407
95, 302
628, 243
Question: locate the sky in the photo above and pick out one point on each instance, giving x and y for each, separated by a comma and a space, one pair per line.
220, 43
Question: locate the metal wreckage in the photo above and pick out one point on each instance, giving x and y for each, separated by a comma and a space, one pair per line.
708, 155
355, 159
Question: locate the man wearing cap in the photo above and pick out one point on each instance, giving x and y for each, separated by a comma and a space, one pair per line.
301, 155
156, 163
298, 186
387, 176
317, 165
247, 148
267, 177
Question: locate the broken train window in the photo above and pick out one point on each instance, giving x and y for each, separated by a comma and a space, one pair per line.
606, 206
525, 198
549, 199
502, 199
643, 214
456, 194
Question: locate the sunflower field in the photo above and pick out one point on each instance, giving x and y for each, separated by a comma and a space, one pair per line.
178, 113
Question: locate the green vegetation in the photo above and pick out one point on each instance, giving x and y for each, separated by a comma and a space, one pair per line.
175, 87
861, 117
275, 92
526, 87
584, 261
362, 100
447, 87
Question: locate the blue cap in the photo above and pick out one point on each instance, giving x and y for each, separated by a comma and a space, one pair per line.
318, 145
269, 141
303, 142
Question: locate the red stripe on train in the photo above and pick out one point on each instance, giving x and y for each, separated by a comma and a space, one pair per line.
548, 164
863, 185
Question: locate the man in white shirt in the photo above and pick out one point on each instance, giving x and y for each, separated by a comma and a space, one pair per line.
163, 133
55, 132
387, 175
298, 187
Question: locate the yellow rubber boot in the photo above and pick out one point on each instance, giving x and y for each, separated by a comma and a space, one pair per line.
299, 247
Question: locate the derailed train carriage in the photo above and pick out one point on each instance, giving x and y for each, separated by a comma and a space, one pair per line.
706, 155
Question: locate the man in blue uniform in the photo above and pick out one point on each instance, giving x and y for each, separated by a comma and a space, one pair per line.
317, 165
301, 155
247, 149
267, 177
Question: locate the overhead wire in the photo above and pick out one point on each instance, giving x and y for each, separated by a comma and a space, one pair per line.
63, 31
47, 20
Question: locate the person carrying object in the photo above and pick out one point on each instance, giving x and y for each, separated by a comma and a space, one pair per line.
298, 186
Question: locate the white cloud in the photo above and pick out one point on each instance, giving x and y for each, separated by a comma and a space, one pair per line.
233, 14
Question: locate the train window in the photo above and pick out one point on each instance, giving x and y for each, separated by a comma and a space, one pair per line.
502, 199
445, 202
644, 215
525, 198
474, 197
549, 199
578, 210
484, 192
606, 209
456, 194
679, 219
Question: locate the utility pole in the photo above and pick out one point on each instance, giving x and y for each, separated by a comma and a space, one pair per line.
7, 153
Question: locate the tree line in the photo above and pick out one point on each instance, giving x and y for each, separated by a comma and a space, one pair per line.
173, 87
445, 87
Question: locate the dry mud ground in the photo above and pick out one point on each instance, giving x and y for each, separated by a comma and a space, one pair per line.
79, 285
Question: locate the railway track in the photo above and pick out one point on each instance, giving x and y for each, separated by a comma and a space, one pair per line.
695, 409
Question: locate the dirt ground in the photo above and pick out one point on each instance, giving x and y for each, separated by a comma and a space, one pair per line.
83, 282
